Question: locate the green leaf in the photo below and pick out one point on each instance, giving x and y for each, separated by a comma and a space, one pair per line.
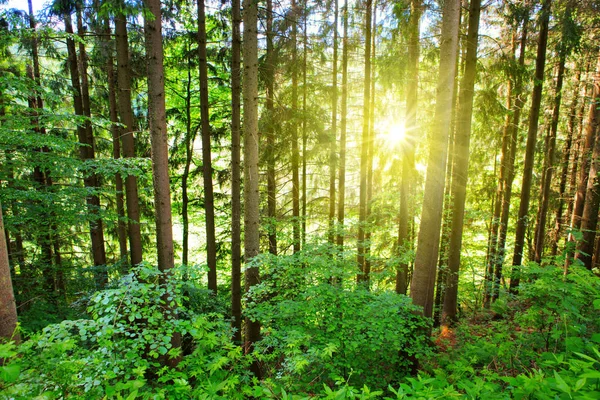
596, 304
561, 384
10, 373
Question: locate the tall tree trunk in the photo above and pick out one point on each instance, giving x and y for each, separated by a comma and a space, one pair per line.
81, 104
270, 86
116, 134
371, 143
540, 232
157, 125
190, 138
518, 103
8, 308
343, 126
364, 275
209, 207
296, 225
236, 215
410, 125
423, 281
536, 99
589, 216
566, 156
127, 140
251, 194
495, 223
333, 135
461, 164
304, 127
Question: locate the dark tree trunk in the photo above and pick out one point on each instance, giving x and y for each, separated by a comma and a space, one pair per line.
536, 99
127, 140
364, 274
540, 231
589, 216
343, 126
270, 133
209, 207
236, 215
333, 134
296, 225
408, 157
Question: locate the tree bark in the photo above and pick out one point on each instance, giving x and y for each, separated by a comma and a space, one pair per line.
270, 133
296, 225
333, 135
589, 216
364, 274
461, 164
410, 127
540, 232
8, 308
127, 139
343, 127
209, 206
423, 281
251, 177
81, 104
536, 99
236, 215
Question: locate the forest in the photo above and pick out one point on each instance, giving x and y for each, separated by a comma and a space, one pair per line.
326, 199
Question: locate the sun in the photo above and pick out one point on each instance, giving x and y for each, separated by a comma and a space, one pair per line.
395, 134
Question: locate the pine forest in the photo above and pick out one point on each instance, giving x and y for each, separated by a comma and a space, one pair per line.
294, 199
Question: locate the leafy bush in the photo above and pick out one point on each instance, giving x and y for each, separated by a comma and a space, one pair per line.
317, 332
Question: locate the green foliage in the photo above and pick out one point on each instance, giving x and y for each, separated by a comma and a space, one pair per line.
315, 332
123, 351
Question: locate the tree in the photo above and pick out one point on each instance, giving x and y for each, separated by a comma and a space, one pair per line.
8, 308
251, 191
364, 273
343, 127
294, 137
423, 281
410, 126
589, 216
333, 136
209, 207
127, 139
534, 113
270, 151
461, 163
236, 215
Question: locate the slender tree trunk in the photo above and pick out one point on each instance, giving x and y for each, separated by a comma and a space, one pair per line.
343, 126
116, 133
540, 232
589, 216
296, 225
270, 86
236, 215
190, 138
333, 136
518, 103
209, 203
536, 99
81, 104
461, 164
364, 275
410, 127
423, 280
566, 156
304, 128
495, 224
8, 309
251, 194
127, 140
371, 143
